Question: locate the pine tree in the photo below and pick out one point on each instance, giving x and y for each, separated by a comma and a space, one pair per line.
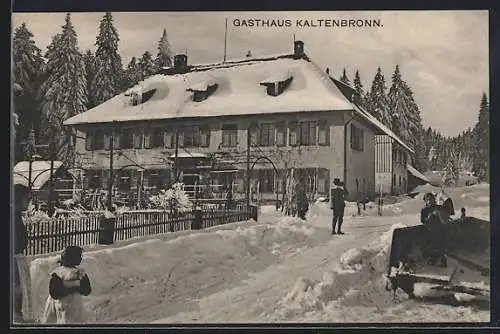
147, 66
358, 86
344, 78
164, 56
28, 65
90, 70
405, 114
107, 81
481, 164
63, 93
377, 103
451, 172
132, 74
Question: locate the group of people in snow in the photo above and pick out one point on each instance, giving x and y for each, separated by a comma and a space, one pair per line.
67, 282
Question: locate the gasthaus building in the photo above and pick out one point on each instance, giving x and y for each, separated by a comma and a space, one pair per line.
295, 115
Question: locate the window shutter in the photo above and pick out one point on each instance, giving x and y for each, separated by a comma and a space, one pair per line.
293, 134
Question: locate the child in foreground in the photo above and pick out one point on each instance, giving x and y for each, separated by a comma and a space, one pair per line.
67, 285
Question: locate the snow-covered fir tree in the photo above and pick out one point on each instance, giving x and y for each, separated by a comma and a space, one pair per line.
64, 92
358, 86
90, 70
27, 68
377, 102
107, 81
405, 114
481, 158
344, 78
147, 66
132, 74
451, 172
164, 55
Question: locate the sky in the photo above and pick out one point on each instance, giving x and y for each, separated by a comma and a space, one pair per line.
443, 55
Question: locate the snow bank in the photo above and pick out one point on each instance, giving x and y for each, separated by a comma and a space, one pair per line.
124, 275
359, 278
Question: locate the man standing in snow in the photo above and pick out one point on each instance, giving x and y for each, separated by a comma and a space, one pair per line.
337, 204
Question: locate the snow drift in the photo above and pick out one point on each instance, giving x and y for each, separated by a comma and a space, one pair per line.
359, 278
128, 278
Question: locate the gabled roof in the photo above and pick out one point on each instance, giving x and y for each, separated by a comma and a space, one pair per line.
238, 92
40, 173
349, 92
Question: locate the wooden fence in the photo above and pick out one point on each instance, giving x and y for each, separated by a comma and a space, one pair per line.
55, 234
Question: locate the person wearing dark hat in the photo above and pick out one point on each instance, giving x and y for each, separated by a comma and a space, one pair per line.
67, 284
20, 242
337, 204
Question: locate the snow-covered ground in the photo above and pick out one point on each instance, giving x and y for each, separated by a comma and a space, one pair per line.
279, 269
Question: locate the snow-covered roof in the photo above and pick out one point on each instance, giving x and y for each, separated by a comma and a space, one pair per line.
369, 117
238, 93
40, 173
413, 171
203, 85
277, 77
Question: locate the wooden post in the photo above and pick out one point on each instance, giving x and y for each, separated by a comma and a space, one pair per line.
111, 174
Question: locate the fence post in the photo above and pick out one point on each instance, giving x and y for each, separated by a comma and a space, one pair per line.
253, 212
107, 229
197, 222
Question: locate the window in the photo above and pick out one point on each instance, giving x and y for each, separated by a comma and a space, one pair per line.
126, 138
266, 134
400, 180
293, 134
137, 138
394, 179
124, 180
148, 140
308, 133
169, 138
229, 135
204, 136
323, 133
98, 140
281, 134
158, 134
253, 131
357, 138
196, 136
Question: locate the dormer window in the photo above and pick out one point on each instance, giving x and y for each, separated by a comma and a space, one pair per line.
202, 90
137, 97
277, 84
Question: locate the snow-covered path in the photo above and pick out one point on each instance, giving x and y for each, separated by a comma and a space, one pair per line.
258, 300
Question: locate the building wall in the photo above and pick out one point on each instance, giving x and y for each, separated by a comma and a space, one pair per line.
383, 164
400, 171
360, 176
316, 156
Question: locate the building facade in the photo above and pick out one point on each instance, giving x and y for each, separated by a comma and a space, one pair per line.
276, 115
391, 166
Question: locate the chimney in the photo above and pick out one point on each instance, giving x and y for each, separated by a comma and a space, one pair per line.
180, 63
298, 49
